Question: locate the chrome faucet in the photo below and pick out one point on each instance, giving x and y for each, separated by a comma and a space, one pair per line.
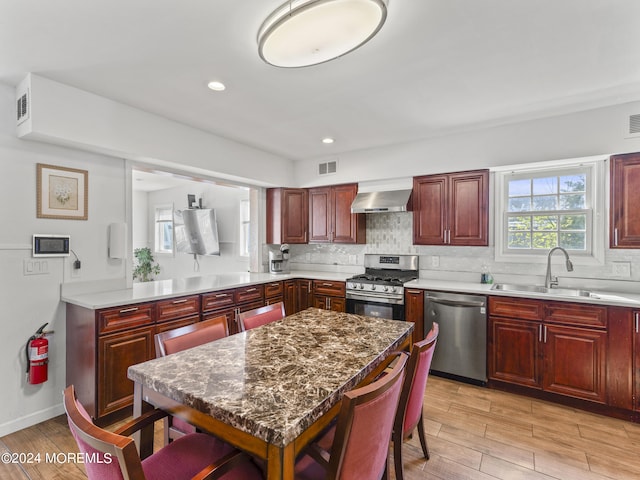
549, 281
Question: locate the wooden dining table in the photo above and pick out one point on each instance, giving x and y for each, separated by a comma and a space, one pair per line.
269, 391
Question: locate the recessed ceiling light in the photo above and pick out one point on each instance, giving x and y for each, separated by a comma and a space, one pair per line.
327, 140
216, 86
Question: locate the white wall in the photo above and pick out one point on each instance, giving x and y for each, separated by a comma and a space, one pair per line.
226, 202
68, 116
592, 132
140, 220
29, 301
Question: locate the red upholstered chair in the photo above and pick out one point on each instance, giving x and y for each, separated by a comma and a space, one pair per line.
409, 414
179, 339
358, 446
113, 455
189, 336
261, 316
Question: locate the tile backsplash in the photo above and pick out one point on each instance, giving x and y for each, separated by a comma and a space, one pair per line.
392, 233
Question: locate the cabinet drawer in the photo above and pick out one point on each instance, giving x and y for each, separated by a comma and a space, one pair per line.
125, 317
248, 294
273, 289
326, 287
576, 314
512, 307
177, 307
215, 300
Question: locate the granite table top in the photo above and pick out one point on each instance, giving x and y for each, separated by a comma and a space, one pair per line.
274, 381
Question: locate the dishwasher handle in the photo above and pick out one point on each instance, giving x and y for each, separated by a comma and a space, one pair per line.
455, 303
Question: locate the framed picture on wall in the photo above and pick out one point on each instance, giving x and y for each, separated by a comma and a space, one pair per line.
62, 192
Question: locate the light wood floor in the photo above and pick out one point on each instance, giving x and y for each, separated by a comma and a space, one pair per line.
473, 433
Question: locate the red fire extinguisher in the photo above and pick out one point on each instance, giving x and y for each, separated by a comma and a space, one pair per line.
37, 357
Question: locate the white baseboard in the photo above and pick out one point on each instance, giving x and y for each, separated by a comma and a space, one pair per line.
32, 419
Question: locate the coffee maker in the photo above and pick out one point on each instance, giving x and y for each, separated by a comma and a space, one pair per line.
279, 260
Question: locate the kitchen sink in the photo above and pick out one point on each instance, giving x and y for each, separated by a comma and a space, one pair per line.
563, 292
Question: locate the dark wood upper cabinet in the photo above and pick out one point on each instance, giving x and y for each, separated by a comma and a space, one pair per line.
624, 230
451, 209
287, 215
330, 217
320, 215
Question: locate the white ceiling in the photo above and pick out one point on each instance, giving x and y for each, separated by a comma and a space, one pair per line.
437, 66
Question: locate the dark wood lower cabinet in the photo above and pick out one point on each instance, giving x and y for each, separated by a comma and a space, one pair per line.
336, 304
514, 351
575, 362
556, 347
305, 294
116, 353
290, 297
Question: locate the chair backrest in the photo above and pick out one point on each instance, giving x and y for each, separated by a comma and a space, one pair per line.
199, 333
261, 316
365, 423
107, 455
415, 382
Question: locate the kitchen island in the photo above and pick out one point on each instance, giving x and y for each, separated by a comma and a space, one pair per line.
270, 390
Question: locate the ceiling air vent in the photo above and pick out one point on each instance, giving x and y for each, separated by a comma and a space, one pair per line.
327, 167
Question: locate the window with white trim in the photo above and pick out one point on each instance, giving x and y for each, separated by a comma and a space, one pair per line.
541, 208
164, 229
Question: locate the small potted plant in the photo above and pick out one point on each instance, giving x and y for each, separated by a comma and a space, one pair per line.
145, 269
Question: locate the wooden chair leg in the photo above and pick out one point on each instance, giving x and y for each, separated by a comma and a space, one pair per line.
166, 425
397, 455
423, 438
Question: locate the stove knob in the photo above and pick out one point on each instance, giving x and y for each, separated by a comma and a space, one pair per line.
373, 287
360, 286
385, 288
392, 289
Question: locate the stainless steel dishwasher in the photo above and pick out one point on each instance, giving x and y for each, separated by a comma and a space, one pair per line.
461, 351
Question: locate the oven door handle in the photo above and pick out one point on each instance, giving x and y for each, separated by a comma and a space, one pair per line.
454, 303
380, 299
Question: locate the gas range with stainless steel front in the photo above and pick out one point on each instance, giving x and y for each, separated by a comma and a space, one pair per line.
379, 292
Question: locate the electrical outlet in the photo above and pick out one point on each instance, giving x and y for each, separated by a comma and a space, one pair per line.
435, 261
621, 269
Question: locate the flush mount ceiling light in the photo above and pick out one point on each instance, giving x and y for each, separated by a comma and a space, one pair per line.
307, 32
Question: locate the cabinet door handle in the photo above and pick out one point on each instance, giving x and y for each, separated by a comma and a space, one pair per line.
540, 333
327, 303
251, 290
327, 284
615, 237
309, 287
637, 323
545, 334
221, 295
273, 284
176, 302
129, 310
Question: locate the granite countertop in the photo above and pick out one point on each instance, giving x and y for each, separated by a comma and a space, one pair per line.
275, 381
598, 297
157, 290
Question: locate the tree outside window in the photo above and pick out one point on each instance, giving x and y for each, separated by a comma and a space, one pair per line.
547, 211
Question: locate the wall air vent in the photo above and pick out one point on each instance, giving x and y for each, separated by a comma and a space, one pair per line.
327, 167
634, 124
23, 102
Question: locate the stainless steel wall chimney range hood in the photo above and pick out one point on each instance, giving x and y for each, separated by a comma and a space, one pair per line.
380, 202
